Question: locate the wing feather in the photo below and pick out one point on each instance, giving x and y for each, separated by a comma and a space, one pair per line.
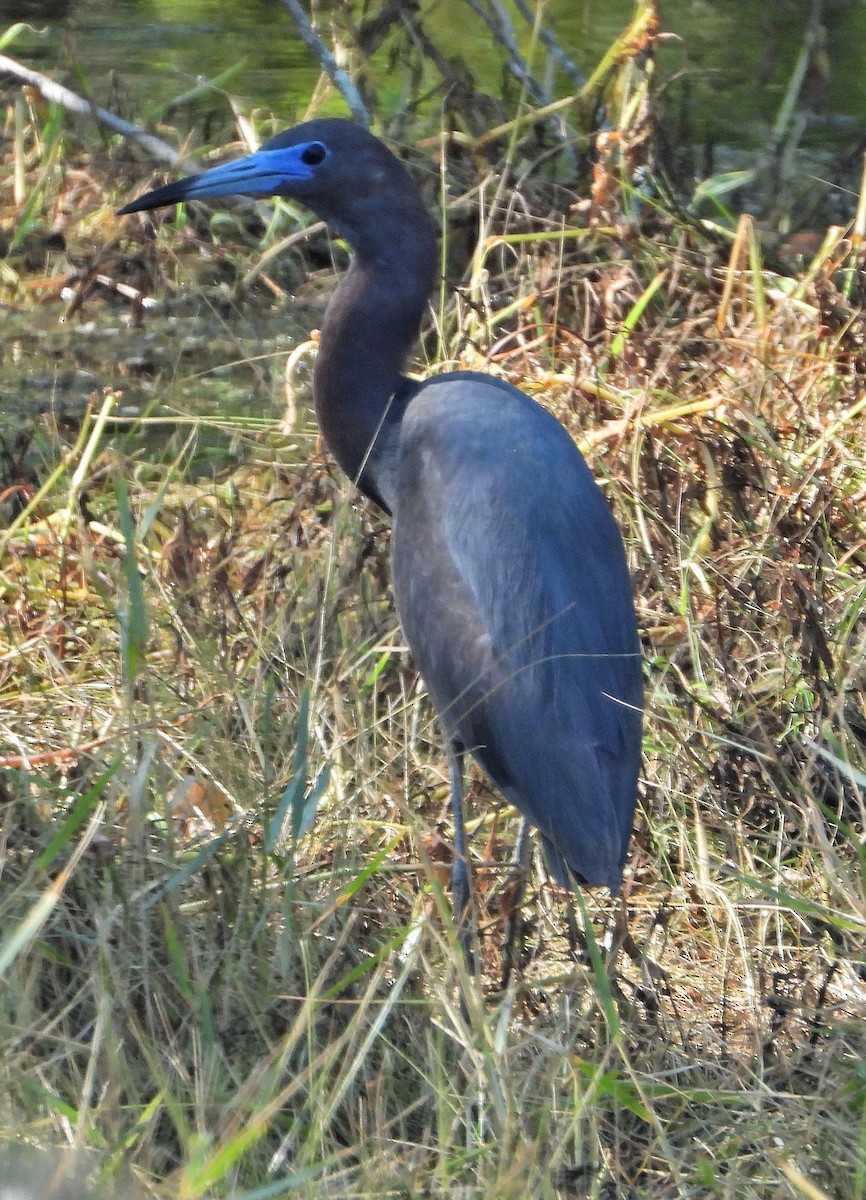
515, 599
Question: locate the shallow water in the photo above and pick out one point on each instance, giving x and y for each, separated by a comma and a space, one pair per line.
734, 58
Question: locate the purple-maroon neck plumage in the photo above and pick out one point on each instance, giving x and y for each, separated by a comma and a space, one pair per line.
366, 196
373, 318
370, 326
351, 180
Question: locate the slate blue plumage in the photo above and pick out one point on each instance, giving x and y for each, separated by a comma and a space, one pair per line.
509, 572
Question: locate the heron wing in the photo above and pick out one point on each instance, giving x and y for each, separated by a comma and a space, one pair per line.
515, 599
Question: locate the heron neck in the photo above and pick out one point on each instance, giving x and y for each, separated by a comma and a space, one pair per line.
369, 327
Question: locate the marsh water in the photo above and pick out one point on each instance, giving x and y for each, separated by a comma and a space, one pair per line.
736, 56
727, 64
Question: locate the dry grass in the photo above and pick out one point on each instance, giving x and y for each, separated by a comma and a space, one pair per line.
228, 964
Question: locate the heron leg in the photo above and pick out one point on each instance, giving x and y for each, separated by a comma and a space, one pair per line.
513, 924
461, 881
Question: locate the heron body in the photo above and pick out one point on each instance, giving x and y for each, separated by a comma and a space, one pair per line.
509, 571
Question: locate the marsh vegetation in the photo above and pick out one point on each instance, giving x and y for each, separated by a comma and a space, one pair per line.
228, 963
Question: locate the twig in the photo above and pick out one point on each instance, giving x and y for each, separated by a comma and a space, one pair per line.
327, 62
554, 49
641, 420
72, 102
499, 24
67, 753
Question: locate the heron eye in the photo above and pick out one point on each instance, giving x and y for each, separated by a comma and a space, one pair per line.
313, 154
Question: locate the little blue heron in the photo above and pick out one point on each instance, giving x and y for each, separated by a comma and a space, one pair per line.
509, 571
